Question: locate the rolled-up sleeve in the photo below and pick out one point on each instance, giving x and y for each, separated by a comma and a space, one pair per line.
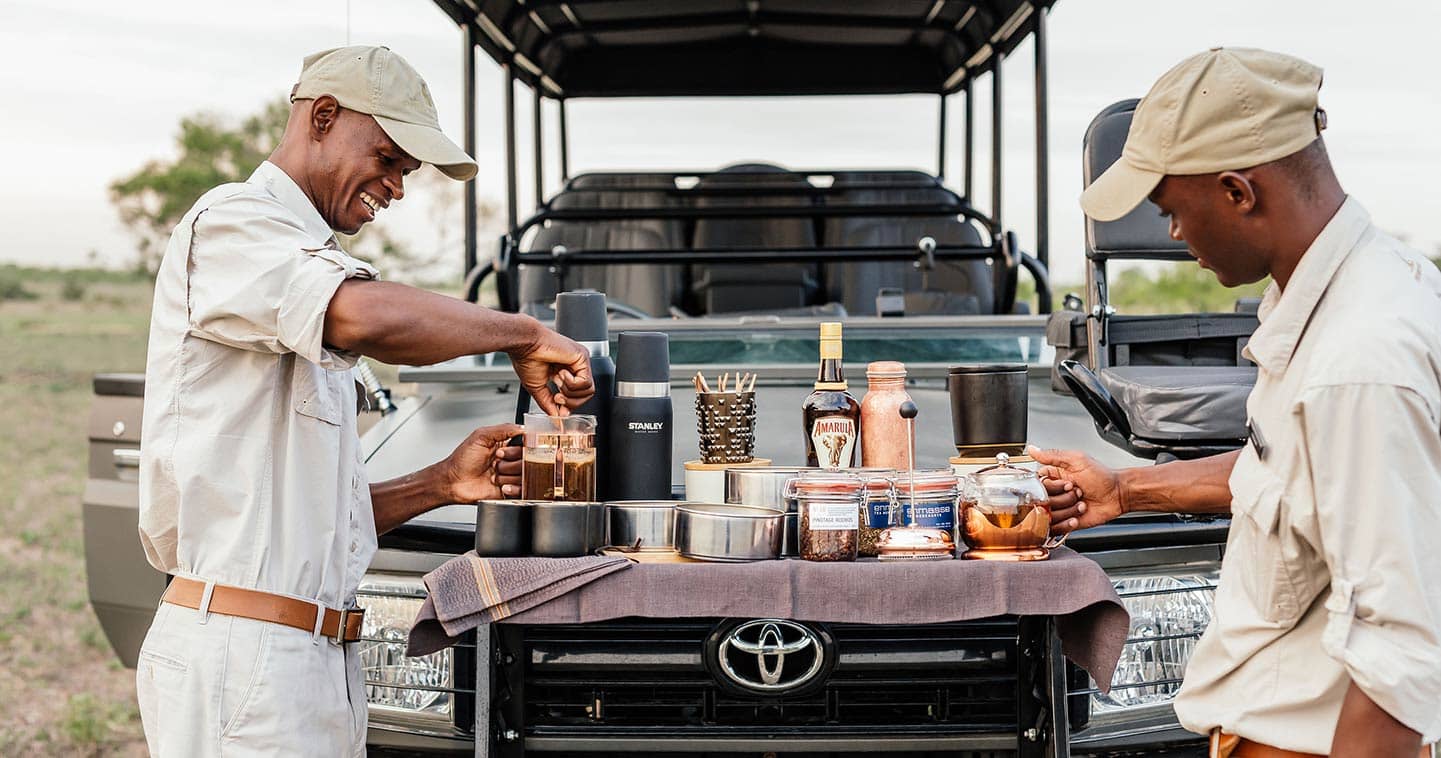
257, 281
1375, 457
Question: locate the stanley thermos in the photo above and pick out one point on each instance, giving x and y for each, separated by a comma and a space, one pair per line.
640, 419
581, 317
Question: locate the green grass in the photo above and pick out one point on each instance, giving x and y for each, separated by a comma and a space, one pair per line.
62, 695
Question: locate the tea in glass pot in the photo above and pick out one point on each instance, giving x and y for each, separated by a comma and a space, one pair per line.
1006, 514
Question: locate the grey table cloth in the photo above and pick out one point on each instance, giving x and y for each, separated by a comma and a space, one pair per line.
1090, 618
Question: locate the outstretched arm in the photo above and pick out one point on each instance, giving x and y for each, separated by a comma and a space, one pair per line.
475, 471
398, 324
1099, 494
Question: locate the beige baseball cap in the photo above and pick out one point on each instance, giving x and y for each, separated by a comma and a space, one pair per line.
376, 81
1226, 109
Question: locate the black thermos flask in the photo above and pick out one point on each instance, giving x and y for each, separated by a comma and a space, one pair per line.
581, 317
640, 419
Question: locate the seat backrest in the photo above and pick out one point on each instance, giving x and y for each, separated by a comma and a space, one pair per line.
724, 288
952, 287
652, 288
1142, 233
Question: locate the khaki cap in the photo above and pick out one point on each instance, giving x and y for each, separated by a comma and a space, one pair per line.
376, 81
1223, 110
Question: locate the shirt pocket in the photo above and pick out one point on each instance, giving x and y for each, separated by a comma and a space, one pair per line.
316, 391
1255, 547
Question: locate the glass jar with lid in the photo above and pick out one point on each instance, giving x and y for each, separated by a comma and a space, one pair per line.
932, 492
828, 507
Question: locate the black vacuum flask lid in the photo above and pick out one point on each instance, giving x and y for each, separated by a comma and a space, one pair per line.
581, 316
644, 357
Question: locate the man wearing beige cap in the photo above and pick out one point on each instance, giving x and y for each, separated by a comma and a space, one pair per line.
1326, 635
253, 492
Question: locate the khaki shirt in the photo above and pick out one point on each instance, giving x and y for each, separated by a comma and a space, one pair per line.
251, 472
1332, 571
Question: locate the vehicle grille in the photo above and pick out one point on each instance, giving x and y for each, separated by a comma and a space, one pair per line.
634, 678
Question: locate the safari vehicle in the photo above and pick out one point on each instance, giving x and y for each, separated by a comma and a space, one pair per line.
738, 265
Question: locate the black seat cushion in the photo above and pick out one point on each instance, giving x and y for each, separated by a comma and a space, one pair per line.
1183, 403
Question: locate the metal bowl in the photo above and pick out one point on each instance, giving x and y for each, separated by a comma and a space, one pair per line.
564, 529
502, 528
642, 524
714, 532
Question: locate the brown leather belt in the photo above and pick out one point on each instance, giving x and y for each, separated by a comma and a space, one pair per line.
263, 606
1231, 746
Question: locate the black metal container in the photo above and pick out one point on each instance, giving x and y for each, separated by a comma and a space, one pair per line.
988, 408
502, 528
639, 460
567, 529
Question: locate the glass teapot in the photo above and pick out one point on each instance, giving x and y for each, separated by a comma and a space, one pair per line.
1006, 514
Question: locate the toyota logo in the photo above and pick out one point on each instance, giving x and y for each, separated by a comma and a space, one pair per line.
770, 655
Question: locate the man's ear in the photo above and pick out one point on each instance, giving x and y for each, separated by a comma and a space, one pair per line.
1240, 193
324, 112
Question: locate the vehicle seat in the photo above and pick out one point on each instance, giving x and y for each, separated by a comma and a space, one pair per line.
952, 287
652, 288
1164, 386
728, 288
1183, 403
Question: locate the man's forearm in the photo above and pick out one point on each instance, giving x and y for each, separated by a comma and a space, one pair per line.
1365, 729
395, 323
1197, 486
396, 501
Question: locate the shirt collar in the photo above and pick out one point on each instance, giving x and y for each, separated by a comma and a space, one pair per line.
1284, 314
278, 183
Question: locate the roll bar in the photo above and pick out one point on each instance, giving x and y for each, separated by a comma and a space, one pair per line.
471, 37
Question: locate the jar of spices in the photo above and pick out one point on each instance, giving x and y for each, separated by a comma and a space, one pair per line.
828, 506
934, 493
883, 432
877, 509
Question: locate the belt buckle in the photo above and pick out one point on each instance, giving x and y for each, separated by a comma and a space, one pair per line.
339, 638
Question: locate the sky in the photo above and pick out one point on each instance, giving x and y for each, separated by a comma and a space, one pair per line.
107, 83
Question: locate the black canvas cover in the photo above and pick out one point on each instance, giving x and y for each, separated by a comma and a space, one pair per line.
611, 48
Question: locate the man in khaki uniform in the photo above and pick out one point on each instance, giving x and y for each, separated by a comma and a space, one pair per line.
253, 492
1326, 636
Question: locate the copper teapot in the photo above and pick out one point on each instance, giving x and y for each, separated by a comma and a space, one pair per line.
1006, 514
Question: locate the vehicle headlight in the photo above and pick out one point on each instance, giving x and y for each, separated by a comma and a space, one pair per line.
1168, 614
400, 688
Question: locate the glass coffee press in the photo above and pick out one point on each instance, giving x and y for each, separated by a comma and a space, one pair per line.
913, 542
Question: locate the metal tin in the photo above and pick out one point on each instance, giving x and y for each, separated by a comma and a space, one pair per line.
502, 528
764, 486
563, 529
641, 524
714, 532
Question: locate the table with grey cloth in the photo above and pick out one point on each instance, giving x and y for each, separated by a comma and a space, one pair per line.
1074, 590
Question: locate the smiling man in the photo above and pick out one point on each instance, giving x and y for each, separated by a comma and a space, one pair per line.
253, 492
1326, 637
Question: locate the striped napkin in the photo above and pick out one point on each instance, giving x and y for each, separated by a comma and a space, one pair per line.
467, 591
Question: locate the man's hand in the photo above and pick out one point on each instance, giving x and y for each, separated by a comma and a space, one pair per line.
474, 470
1095, 494
553, 359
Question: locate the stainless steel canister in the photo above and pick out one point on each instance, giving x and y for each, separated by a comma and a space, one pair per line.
715, 532
642, 524
765, 486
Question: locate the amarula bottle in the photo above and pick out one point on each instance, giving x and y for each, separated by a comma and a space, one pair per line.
832, 418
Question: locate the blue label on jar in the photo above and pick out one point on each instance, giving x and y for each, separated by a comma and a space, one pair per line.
878, 513
940, 515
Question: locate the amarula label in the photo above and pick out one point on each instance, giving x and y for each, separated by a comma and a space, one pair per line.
834, 438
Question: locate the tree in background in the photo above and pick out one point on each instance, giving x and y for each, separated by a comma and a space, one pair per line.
211, 152
152, 200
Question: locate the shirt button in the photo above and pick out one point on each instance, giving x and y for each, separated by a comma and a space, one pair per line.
354, 546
